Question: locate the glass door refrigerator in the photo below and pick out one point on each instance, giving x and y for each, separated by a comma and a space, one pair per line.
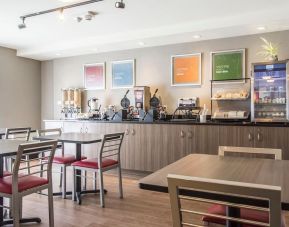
270, 92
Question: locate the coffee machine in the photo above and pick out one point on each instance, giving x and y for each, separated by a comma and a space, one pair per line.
94, 108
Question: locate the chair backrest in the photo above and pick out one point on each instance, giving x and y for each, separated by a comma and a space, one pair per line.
18, 133
46, 132
41, 150
184, 190
277, 153
111, 146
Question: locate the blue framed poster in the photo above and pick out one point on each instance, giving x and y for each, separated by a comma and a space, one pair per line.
123, 74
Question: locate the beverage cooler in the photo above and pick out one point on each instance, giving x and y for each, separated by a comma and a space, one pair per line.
270, 92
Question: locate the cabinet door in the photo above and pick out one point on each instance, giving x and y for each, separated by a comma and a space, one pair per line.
53, 124
73, 126
237, 136
207, 139
273, 137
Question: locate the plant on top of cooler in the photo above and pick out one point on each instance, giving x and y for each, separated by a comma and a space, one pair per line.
270, 50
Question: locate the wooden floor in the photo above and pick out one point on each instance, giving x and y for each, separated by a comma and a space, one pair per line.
139, 208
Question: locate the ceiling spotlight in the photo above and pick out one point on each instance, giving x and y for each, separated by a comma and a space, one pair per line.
197, 36
120, 4
61, 14
90, 15
22, 25
79, 19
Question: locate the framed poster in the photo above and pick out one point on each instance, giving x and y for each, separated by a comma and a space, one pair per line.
228, 65
123, 74
94, 76
186, 70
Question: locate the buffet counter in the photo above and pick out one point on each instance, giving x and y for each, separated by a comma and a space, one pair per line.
152, 146
184, 122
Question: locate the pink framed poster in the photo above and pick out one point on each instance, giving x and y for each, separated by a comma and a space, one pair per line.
94, 76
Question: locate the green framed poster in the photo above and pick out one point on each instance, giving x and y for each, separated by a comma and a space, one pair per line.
228, 65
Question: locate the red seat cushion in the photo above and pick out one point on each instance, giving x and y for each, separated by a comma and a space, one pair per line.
93, 163
248, 214
65, 159
24, 183
6, 173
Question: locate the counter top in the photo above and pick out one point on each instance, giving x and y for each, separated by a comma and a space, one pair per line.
184, 122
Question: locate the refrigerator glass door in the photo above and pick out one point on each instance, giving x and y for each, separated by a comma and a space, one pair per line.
270, 92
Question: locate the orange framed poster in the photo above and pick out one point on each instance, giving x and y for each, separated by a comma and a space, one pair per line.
186, 70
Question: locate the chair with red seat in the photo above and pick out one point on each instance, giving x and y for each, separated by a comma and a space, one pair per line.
22, 183
107, 158
63, 160
186, 191
247, 151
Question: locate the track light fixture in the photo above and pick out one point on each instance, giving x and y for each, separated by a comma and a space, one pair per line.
22, 25
119, 4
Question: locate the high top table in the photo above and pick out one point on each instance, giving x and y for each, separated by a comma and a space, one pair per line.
244, 170
78, 139
9, 148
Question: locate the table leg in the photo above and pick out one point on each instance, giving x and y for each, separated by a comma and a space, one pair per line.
233, 212
78, 173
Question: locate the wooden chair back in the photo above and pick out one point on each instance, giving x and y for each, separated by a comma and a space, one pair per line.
227, 193
111, 146
276, 153
41, 150
18, 133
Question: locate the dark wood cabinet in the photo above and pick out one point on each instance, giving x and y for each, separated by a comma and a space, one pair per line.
239, 136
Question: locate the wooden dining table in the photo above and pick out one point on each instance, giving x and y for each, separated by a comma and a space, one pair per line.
9, 148
245, 170
78, 139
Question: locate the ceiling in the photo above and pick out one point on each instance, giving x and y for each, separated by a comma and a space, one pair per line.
141, 23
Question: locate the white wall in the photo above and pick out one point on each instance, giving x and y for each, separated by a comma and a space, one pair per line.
152, 69
20, 94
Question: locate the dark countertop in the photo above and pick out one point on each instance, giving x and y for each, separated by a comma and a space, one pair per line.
189, 122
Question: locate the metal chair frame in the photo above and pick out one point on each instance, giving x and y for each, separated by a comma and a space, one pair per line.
63, 174
106, 150
16, 197
14, 132
237, 190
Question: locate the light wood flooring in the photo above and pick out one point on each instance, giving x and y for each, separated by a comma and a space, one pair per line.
139, 208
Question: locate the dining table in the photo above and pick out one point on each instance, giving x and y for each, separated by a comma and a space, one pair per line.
9, 148
78, 139
238, 169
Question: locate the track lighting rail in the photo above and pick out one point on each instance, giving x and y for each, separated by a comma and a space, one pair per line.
59, 9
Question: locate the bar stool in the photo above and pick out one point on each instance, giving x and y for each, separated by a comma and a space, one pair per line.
63, 160
108, 158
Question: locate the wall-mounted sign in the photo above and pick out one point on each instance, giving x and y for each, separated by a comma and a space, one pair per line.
123, 74
94, 76
186, 70
228, 65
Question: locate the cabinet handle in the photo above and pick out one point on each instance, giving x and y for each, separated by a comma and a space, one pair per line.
190, 135
250, 137
182, 134
127, 132
86, 130
259, 138
81, 130
133, 132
